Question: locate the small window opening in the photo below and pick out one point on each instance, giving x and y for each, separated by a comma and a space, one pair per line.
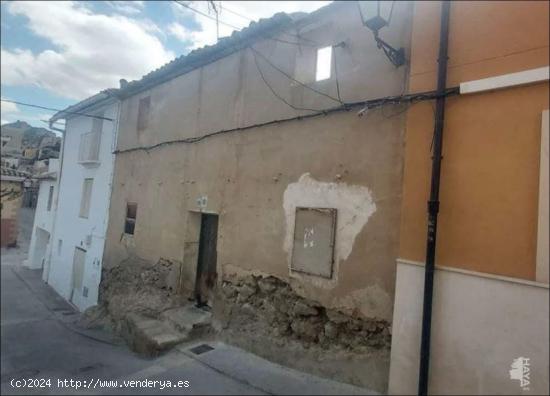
59, 246
50, 198
130, 223
324, 63
86, 198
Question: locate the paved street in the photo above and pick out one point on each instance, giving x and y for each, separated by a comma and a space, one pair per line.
40, 342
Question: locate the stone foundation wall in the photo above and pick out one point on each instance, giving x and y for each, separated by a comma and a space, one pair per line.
285, 314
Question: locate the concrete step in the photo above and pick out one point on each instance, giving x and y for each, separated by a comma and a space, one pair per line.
188, 319
151, 337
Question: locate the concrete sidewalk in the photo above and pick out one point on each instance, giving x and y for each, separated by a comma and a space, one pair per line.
40, 341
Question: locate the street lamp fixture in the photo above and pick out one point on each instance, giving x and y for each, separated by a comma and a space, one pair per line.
375, 15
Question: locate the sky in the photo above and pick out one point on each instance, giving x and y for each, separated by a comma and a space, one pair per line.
56, 53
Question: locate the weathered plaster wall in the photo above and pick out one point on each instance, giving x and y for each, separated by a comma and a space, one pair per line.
43, 222
253, 178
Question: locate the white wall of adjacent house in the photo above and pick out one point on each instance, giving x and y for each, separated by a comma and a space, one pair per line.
82, 213
483, 325
43, 218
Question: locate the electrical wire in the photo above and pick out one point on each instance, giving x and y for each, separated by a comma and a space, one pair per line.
252, 20
273, 91
57, 110
336, 73
411, 98
206, 15
292, 78
237, 28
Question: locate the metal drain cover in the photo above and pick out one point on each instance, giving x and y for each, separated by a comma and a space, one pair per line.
200, 349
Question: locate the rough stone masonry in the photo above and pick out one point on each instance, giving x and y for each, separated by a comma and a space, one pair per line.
273, 302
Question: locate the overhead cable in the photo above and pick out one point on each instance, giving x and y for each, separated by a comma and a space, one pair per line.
368, 104
292, 78
57, 110
238, 28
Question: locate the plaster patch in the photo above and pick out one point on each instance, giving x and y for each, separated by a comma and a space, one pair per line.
354, 205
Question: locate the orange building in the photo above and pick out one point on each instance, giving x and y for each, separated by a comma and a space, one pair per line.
491, 280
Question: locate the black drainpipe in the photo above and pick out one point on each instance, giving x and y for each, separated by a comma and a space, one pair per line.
433, 203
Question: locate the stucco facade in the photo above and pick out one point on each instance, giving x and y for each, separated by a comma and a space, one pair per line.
255, 178
81, 216
44, 215
489, 217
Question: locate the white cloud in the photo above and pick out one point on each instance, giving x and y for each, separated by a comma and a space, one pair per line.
8, 112
251, 9
92, 51
127, 7
8, 107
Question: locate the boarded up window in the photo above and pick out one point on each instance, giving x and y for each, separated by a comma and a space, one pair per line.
131, 213
89, 147
314, 235
90, 141
50, 198
86, 198
143, 113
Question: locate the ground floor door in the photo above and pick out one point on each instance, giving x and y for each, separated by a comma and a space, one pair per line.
207, 258
79, 261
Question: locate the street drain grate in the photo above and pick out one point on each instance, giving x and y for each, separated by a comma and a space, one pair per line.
198, 350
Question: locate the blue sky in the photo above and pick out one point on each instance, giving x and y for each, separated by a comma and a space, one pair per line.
55, 54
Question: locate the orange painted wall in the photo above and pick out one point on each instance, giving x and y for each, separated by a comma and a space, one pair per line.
490, 170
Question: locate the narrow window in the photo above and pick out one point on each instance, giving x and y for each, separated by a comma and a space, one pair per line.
324, 62
50, 198
143, 113
86, 198
90, 141
59, 246
130, 223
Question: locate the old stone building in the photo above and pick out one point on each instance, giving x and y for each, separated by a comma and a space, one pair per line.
245, 167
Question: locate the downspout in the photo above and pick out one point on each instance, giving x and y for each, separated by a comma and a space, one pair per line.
433, 203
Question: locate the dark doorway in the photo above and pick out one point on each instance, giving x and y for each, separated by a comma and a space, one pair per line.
206, 263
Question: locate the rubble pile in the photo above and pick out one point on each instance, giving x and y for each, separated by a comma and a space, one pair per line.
133, 287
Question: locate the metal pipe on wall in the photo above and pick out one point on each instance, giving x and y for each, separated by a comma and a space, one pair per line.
433, 203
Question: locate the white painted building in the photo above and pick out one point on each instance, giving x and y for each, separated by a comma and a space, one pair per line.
44, 216
81, 217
